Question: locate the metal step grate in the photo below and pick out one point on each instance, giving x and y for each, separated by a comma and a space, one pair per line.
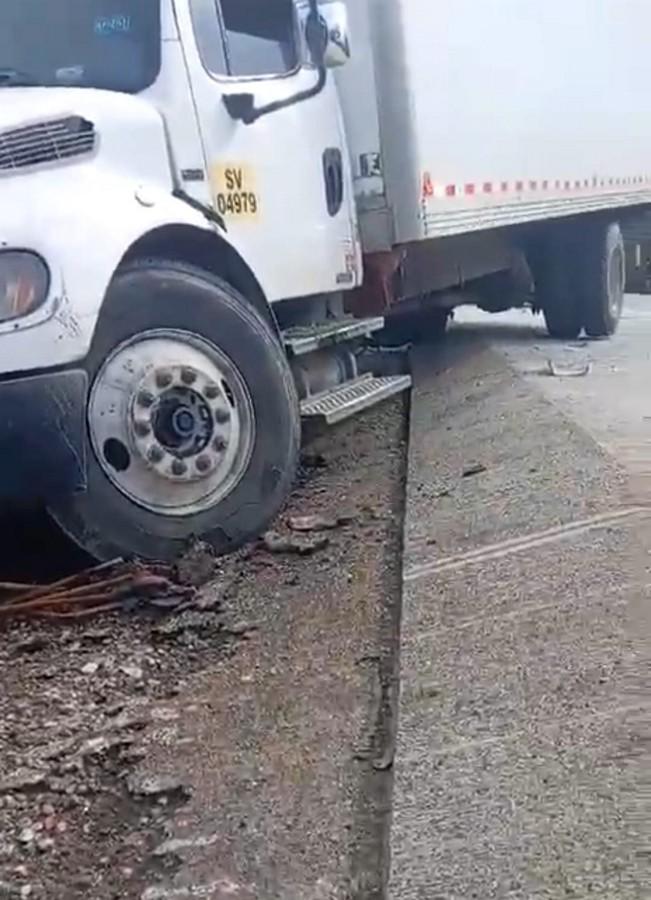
300, 339
352, 397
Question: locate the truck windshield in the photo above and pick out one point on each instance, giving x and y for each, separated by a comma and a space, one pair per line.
109, 44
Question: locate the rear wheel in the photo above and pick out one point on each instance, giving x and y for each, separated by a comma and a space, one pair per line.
555, 291
601, 278
192, 419
580, 276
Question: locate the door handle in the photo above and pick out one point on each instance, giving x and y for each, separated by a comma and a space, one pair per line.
333, 176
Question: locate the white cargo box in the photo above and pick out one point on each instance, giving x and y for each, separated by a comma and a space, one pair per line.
465, 115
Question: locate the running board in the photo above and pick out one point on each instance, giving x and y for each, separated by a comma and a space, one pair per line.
301, 339
352, 397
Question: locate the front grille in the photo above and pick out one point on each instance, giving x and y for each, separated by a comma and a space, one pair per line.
45, 142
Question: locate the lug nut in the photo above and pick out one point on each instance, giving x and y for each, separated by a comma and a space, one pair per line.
179, 467
211, 391
145, 398
222, 416
219, 444
142, 429
163, 379
155, 454
188, 376
203, 463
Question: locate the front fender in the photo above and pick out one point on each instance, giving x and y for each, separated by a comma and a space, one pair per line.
82, 224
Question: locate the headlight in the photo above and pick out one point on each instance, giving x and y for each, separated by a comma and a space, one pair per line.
24, 283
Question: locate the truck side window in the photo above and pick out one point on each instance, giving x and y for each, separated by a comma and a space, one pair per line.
246, 38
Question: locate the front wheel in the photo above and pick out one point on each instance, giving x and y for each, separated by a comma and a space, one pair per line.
192, 419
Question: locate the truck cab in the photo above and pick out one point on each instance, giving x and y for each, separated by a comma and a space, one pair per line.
175, 198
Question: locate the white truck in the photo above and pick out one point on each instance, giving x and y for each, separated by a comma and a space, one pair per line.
201, 224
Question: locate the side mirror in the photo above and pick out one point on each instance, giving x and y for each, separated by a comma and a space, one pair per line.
325, 26
335, 16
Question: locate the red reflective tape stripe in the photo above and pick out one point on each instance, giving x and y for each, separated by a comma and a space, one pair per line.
488, 188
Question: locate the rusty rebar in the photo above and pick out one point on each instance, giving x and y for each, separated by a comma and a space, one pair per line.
86, 593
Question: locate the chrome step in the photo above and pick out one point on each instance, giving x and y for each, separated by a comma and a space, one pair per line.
300, 339
352, 397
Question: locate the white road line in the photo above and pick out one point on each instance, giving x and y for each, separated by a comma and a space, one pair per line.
528, 542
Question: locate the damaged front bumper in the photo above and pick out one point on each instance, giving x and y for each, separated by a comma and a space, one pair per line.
42, 446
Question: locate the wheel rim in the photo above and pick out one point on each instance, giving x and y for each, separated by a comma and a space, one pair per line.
616, 281
171, 422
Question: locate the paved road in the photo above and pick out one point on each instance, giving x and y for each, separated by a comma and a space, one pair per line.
523, 721
614, 402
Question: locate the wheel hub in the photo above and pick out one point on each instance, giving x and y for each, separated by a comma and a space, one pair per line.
182, 417
180, 423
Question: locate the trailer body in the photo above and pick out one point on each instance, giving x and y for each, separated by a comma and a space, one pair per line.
464, 116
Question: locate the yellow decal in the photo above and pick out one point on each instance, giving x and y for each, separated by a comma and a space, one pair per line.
235, 191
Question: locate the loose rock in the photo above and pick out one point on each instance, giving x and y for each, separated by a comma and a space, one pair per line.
153, 786
300, 546
132, 671
91, 668
474, 469
197, 565
314, 523
23, 780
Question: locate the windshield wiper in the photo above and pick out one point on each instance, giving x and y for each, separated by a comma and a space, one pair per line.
16, 78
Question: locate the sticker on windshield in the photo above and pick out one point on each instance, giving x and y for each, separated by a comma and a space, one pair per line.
70, 75
116, 24
235, 191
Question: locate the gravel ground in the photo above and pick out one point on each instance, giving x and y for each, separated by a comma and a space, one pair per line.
239, 750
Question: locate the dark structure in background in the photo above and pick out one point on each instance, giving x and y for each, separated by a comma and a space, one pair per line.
637, 240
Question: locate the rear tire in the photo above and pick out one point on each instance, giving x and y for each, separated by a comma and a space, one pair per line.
193, 480
601, 278
555, 291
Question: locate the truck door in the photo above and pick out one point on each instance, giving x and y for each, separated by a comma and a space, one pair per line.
282, 184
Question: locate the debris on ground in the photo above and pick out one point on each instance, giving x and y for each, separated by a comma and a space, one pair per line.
80, 703
303, 545
469, 471
158, 786
311, 460
197, 565
567, 370
109, 587
108, 723
318, 522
